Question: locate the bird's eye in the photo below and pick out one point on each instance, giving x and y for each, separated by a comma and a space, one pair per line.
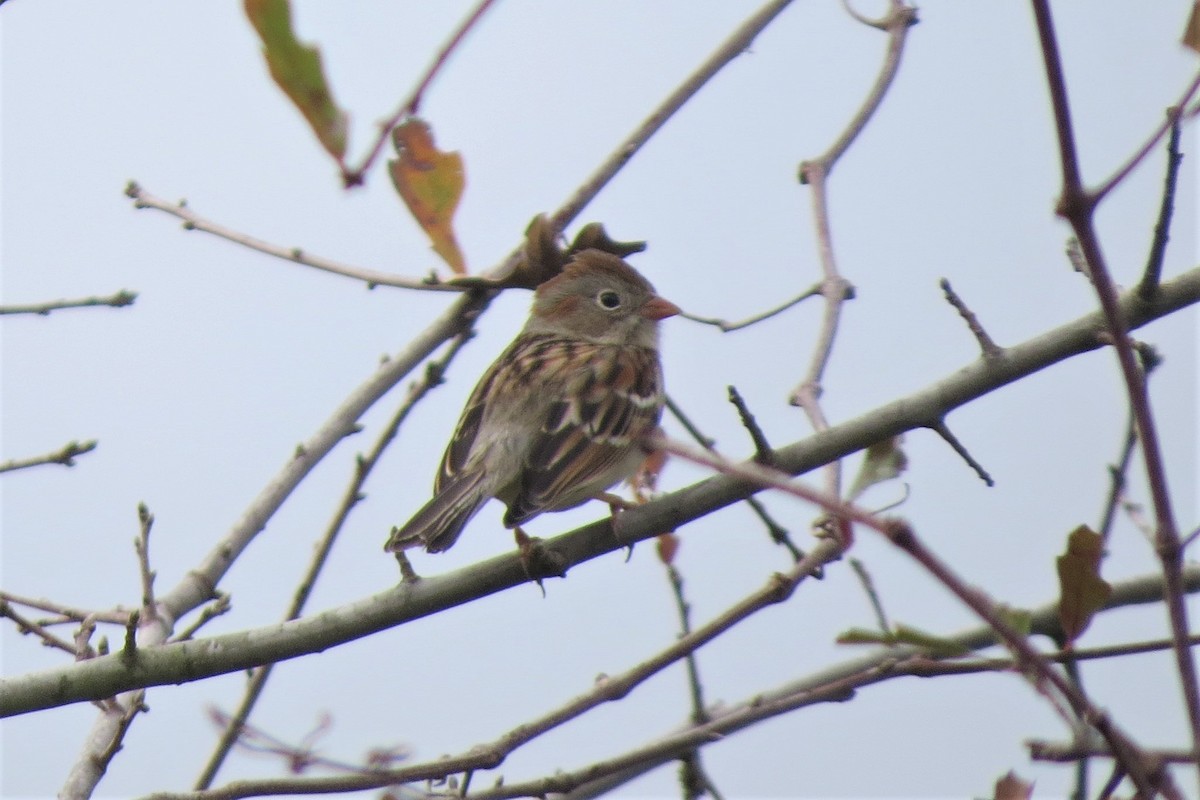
608, 300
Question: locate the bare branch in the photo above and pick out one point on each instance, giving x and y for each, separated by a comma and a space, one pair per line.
763, 453
434, 372
1173, 115
65, 456
1162, 229
989, 348
28, 626
118, 300
1078, 207
727, 326
868, 585
102, 677
412, 104
1040, 750
193, 221
834, 288
141, 546
949, 438
68, 613
777, 532
1032, 664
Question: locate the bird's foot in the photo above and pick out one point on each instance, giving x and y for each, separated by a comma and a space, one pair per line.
539, 561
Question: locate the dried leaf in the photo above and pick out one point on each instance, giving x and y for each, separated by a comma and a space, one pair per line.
1011, 787
431, 183
543, 256
883, 461
668, 546
1191, 33
297, 69
1082, 592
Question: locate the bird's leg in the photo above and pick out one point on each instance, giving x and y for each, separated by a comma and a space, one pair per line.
407, 573
617, 504
538, 561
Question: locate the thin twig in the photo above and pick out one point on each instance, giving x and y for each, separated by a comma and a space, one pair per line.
940, 428
1172, 117
689, 426
412, 104
988, 347
121, 298
363, 467
1041, 750
1117, 473
193, 221
364, 464
779, 534
25, 625
65, 456
200, 582
1162, 229
868, 585
487, 756
1078, 207
141, 546
221, 605
693, 776
116, 616
899, 533
763, 453
225, 653
834, 288
727, 326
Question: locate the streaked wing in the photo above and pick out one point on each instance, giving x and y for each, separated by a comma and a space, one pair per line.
608, 398
516, 375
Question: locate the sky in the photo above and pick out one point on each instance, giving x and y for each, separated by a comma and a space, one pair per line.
199, 392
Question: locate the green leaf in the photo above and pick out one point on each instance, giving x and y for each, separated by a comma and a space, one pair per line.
1082, 592
431, 183
297, 69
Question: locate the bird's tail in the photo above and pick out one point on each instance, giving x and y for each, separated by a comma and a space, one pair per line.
438, 524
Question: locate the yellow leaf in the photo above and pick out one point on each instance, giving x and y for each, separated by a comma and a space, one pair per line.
297, 69
431, 183
1082, 592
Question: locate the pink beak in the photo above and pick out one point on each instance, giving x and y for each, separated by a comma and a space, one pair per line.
657, 308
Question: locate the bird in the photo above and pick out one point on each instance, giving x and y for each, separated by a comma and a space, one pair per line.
560, 415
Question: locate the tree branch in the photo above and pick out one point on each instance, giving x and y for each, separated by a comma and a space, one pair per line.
188, 661
118, 300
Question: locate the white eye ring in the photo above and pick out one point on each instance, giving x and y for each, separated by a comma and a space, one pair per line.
608, 300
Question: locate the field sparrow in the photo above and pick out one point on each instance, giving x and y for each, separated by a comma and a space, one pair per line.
558, 417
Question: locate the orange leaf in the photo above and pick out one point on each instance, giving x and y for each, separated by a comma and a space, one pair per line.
296, 67
1082, 592
431, 183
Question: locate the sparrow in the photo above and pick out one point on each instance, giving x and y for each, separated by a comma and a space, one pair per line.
559, 417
